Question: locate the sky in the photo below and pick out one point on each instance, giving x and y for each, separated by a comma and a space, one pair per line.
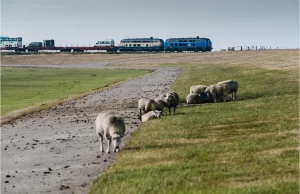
226, 23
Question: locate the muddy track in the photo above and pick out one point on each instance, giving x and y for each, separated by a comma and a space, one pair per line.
57, 150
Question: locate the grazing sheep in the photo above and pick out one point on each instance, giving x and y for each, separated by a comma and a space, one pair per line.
197, 89
233, 87
151, 115
171, 99
206, 97
112, 127
193, 98
219, 91
145, 105
161, 104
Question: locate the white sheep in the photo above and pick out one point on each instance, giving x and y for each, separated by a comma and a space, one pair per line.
151, 115
197, 89
170, 99
219, 91
193, 98
145, 105
233, 87
112, 127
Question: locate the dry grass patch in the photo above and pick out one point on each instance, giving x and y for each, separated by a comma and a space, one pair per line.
190, 141
272, 153
248, 181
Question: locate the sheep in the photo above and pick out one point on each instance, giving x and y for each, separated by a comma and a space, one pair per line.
219, 91
193, 98
151, 115
233, 87
170, 99
112, 127
197, 89
145, 105
161, 104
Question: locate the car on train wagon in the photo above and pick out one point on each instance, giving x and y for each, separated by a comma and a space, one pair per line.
195, 44
105, 43
141, 44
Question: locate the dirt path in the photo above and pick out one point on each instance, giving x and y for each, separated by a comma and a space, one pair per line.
57, 150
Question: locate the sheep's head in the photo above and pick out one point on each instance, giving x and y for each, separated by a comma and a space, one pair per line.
157, 114
168, 98
206, 90
116, 140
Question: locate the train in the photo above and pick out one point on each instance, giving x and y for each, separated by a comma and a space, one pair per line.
127, 45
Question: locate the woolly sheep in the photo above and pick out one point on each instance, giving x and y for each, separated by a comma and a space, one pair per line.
219, 91
233, 87
193, 98
161, 104
197, 89
170, 99
151, 115
145, 105
112, 127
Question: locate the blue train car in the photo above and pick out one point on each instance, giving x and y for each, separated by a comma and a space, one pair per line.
188, 44
141, 44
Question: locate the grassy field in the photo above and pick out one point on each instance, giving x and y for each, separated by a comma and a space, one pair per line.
23, 87
246, 146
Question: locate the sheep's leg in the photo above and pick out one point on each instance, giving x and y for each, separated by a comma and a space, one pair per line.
108, 146
174, 109
224, 98
215, 98
234, 95
101, 142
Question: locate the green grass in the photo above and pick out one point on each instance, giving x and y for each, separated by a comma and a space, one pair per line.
245, 146
23, 87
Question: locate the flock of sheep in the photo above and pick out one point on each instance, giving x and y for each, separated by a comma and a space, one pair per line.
112, 126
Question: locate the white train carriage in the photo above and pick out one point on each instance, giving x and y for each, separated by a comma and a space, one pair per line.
141, 44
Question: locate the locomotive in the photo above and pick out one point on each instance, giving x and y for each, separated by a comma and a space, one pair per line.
188, 44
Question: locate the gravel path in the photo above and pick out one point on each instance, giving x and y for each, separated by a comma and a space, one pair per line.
57, 150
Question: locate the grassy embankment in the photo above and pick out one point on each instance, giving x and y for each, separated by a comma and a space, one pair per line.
23, 87
245, 146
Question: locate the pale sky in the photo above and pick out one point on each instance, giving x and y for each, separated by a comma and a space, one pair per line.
227, 23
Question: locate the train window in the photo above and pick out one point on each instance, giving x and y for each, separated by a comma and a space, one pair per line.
171, 44
129, 44
184, 41
175, 44
184, 44
134, 44
126, 45
146, 44
180, 44
180, 40
138, 45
